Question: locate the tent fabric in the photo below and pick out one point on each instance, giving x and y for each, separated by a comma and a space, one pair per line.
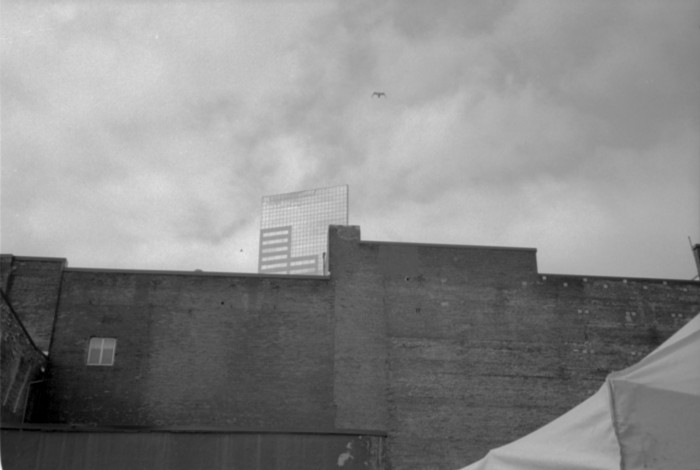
644, 417
656, 405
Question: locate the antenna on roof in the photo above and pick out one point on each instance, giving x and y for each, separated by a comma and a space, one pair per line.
696, 255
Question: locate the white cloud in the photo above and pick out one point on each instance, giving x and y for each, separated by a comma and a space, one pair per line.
144, 135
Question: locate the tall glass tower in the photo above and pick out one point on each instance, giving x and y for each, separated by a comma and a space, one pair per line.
294, 229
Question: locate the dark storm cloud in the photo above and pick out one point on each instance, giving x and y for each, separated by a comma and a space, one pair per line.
421, 19
558, 105
548, 124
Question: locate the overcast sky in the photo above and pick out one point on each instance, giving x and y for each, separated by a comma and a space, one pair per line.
143, 135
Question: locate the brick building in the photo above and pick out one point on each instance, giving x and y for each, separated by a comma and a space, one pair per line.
405, 356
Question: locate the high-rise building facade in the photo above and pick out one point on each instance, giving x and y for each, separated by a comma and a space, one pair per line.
294, 229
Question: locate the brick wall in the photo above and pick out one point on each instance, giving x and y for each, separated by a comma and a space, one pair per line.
195, 350
33, 284
480, 349
360, 377
21, 366
451, 350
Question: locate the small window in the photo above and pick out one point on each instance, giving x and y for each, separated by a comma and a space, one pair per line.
101, 351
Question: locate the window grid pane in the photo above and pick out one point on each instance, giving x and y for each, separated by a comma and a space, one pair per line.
101, 351
94, 353
107, 357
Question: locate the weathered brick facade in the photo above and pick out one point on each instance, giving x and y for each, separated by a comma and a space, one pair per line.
447, 350
482, 349
194, 350
34, 285
21, 365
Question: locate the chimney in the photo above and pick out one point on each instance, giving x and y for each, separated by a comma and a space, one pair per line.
696, 255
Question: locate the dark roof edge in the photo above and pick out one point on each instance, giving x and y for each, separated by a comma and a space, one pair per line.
182, 429
195, 273
621, 278
36, 258
444, 245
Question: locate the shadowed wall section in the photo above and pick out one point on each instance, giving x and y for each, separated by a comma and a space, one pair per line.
214, 350
445, 351
188, 451
22, 366
33, 286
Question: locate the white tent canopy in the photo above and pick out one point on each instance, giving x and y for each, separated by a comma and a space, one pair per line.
644, 417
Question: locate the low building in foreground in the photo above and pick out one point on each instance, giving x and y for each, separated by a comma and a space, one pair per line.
405, 356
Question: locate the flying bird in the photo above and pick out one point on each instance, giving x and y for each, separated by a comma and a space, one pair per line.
378, 94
